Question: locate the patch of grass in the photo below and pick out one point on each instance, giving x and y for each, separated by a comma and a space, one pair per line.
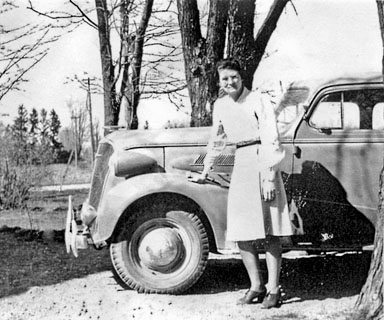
62, 174
41, 219
44, 211
25, 264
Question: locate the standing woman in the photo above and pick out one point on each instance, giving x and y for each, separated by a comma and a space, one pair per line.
257, 205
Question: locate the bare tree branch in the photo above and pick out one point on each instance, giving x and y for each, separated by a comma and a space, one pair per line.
84, 14
22, 48
17, 79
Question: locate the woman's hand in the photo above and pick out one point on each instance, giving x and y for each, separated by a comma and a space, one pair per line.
197, 178
268, 190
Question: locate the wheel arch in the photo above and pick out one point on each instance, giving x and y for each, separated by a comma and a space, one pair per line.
209, 198
184, 203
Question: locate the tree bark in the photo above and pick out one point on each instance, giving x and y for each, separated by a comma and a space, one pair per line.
111, 107
216, 36
131, 61
194, 51
200, 55
137, 61
241, 42
131, 57
125, 61
370, 301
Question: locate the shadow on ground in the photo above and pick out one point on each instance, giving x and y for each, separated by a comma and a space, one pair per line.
25, 264
306, 278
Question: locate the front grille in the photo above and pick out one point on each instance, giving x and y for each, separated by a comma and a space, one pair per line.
100, 171
221, 160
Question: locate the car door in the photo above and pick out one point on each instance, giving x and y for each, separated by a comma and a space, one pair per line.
339, 155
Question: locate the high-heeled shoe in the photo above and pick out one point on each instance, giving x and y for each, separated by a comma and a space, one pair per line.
272, 300
252, 296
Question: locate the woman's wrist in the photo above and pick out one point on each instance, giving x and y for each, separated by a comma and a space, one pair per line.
270, 175
205, 174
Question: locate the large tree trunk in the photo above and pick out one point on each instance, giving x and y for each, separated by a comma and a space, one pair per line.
131, 68
111, 107
131, 57
370, 301
200, 56
125, 62
194, 58
241, 42
216, 36
137, 60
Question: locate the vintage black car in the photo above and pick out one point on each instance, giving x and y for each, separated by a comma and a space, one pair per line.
160, 228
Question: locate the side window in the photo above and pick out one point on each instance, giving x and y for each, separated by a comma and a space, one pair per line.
350, 110
328, 113
378, 116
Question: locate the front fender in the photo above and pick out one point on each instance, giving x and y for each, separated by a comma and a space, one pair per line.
120, 197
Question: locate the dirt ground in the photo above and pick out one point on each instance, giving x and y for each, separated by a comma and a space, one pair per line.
38, 280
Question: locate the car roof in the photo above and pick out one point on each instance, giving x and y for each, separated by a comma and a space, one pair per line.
303, 91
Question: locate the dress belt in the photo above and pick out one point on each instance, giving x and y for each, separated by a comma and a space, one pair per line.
247, 143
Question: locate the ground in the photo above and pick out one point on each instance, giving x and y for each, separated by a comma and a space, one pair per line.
39, 280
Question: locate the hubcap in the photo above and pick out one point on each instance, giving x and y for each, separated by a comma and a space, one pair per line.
161, 249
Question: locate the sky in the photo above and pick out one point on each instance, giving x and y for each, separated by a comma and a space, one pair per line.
325, 38
316, 38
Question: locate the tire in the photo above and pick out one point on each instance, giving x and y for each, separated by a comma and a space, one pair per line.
160, 251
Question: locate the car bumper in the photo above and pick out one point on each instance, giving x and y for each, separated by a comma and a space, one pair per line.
75, 238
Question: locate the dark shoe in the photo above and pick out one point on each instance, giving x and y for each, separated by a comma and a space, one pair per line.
251, 297
272, 300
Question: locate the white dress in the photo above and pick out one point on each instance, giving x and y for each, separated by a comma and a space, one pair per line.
251, 117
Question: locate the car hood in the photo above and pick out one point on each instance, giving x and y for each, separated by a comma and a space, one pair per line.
129, 139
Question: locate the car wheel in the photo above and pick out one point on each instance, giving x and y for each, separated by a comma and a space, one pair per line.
160, 252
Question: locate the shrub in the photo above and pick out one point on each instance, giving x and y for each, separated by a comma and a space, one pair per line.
18, 172
14, 186
62, 156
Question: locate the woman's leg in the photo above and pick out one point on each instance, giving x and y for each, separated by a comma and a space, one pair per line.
251, 262
273, 259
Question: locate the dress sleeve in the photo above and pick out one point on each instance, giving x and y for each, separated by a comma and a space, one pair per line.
217, 141
271, 152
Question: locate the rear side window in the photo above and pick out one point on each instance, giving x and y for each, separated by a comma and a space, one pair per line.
350, 110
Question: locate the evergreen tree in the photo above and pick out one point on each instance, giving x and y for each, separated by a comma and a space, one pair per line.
19, 147
54, 127
33, 126
20, 124
44, 125
46, 151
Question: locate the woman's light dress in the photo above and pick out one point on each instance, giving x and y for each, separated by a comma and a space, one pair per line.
251, 117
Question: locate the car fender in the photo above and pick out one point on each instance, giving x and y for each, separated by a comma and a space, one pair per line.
120, 197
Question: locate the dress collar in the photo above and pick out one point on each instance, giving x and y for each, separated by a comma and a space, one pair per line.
243, 94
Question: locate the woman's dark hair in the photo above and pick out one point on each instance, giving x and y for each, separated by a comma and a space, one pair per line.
229, 63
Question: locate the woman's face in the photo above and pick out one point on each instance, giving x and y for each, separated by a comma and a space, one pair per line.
230, 81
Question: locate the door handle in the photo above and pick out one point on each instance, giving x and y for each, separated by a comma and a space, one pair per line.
297, 152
